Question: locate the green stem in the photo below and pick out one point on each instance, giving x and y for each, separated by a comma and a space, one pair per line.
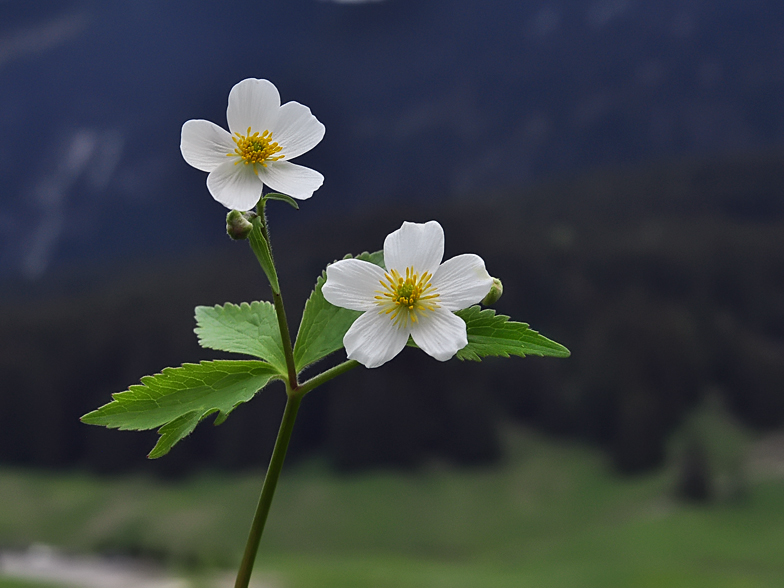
294, 398
294, 395
286, 338
325, 376
268, 490
277, 299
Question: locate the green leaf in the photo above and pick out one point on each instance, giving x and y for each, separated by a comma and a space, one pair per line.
323, 325
262, 250
376, 258
251, 329
282, 198
494, 334
174, 431
178, 398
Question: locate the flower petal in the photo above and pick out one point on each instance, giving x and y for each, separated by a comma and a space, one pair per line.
235, 186
295, 180
374, 339
252, 103
204, 145
296, 130
461, 282
417, 245
440, 333
353, 284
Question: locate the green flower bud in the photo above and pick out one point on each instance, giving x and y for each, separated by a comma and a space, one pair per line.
238, 224
494, 294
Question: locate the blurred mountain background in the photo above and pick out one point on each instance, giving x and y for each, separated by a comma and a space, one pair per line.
618, 164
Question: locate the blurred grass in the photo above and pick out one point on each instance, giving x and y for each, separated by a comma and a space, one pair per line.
552, 516
13, 583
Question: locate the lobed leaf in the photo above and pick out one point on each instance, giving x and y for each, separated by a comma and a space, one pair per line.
491, 334
323, 325
178, 398
174, 431
251, 329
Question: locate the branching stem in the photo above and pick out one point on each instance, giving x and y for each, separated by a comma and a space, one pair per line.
294, 395
325, 376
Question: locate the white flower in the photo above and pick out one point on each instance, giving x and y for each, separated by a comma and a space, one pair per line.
415, 296
264, 138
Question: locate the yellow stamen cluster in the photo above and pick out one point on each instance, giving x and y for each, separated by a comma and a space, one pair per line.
403, 297
255, 148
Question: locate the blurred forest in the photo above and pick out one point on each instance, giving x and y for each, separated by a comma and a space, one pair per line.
665, 281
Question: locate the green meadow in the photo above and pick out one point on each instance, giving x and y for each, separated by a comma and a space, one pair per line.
15, 583
551, 515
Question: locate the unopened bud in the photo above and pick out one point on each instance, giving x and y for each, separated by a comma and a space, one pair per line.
494, 294
238, 224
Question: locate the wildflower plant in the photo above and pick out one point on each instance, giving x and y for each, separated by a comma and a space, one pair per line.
373, 304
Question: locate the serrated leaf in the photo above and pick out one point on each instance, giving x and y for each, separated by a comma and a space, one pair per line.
376, 258
174, 431
178, 398
491, 334
251, 329
323, 325
262, 250
283, 198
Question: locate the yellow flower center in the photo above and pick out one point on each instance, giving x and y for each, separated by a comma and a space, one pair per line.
404, 297
255, 148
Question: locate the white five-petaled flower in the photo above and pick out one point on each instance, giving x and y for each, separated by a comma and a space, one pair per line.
264, 138
415, 296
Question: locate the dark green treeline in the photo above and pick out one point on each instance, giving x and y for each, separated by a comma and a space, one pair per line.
666, 282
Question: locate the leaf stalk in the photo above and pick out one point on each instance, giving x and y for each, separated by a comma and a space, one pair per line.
324, 377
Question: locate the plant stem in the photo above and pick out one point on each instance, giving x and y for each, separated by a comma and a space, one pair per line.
294, 398
268, 489
325, 376
280, 310
294, 395
286, 338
